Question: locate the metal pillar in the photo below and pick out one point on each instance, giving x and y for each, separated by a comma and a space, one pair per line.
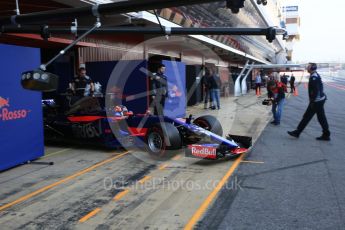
244, 80
237, 90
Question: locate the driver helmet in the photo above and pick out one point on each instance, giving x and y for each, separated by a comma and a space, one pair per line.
118, 111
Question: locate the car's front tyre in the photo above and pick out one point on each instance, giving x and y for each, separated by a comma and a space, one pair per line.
161, 138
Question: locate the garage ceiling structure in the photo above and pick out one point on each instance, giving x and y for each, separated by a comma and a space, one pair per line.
143, 19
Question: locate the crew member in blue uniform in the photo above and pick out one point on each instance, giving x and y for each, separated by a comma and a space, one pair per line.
317, 99
159, 89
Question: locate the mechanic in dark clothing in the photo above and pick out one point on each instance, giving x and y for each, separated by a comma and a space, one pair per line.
159, 88
80, 84
292, 83
215, 89
317, 99
270, 85
284, 79
206, 84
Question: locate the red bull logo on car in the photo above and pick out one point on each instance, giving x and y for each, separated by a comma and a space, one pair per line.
6, 114
203, 151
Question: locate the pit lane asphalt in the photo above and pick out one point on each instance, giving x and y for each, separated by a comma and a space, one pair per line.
46, 199
301, 183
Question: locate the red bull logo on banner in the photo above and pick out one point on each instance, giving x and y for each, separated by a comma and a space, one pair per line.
6, 114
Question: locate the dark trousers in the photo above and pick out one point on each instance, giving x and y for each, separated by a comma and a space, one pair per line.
207, 98
158, 104
318, 108
292, 87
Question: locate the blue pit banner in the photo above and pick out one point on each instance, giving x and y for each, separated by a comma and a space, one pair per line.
21, 121
176, 103
124, 80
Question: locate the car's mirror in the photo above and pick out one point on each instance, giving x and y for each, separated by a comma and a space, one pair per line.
39, 80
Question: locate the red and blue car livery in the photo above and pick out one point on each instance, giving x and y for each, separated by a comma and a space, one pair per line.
89, 122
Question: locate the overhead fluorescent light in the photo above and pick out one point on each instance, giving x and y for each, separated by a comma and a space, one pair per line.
93, 2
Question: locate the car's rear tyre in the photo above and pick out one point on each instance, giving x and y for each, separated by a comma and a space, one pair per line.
209, 123
161, 138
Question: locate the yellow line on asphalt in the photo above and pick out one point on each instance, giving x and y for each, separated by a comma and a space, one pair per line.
41, 190
254, 162
121, 194
201, 210
55, 153
142, 181
177, 157
163, 167
91, 214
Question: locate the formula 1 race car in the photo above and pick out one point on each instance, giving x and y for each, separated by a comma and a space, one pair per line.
87, 121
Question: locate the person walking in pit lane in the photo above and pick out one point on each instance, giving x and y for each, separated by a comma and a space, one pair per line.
292, 83
284, 79
258, 81
278, 90
215, 89
270, 85
317, 99
206, 83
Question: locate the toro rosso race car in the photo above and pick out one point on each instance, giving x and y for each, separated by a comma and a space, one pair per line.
87, 121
